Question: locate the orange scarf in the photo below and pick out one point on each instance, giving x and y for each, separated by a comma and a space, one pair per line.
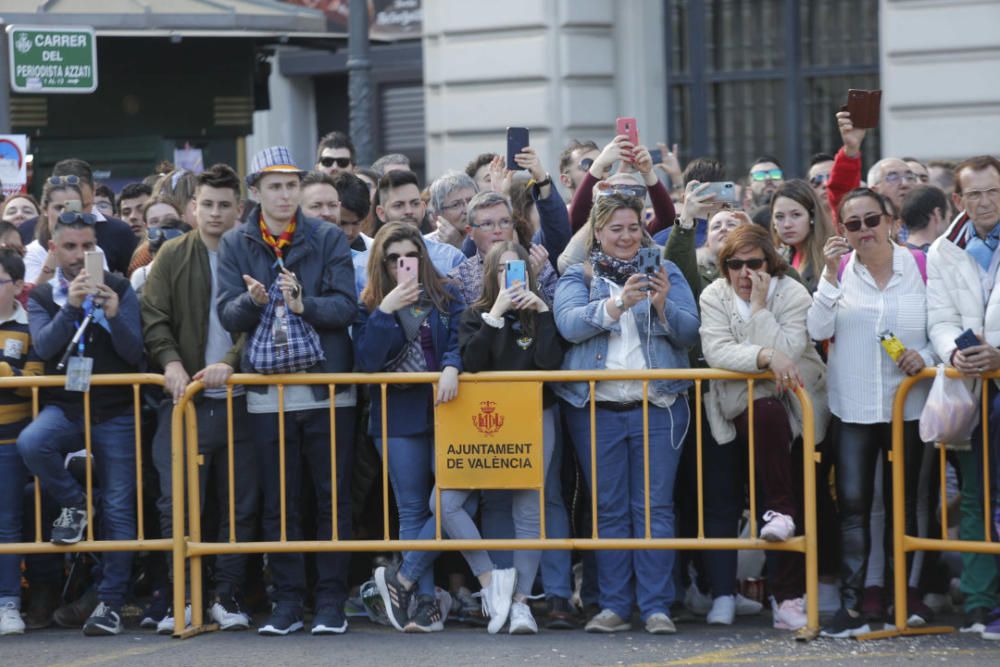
280, 243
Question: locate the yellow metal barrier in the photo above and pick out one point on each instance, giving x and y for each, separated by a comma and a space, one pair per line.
903, 543
194, 548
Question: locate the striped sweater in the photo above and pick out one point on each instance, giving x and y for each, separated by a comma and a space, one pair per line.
18, 358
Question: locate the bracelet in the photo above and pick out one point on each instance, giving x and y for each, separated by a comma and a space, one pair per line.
495, 322
541, 184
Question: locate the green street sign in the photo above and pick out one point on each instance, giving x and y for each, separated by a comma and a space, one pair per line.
46, 59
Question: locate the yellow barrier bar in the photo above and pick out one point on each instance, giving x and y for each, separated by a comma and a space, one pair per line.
811, 537
137, 415
593, 457
194, 512
645, 453
700, 462
177, 441
38, 483
988, 489
283, 489
751, 466
87, 443
541, 490
942, 468
231, 462
83, 546
385, 461
334, 533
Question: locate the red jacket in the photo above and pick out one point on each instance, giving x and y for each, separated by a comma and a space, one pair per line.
846, 176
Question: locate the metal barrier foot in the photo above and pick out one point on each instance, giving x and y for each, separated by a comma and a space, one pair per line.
806, 634
196, 630
928, 630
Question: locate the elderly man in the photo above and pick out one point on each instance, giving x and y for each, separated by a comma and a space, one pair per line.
450, 197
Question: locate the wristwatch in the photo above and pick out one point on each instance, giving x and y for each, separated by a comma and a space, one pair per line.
619, 303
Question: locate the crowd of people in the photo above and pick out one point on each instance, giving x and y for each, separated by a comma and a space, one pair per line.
346, 268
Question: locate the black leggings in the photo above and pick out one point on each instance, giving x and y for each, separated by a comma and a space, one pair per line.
858, 447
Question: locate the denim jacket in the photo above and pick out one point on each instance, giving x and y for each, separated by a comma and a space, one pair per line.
578, 310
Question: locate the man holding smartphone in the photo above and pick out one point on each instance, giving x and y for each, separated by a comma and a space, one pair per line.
306, 263
111, 343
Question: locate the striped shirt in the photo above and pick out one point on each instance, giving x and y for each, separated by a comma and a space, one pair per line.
862, 378
18, 358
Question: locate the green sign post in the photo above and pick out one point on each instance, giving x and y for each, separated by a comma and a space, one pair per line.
47, 59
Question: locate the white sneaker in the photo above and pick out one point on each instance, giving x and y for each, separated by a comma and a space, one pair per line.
697, 603
228, 615
497, 598
790, 614
521, 620
747, 607
723, 611
166, 626
779, 527
11, 622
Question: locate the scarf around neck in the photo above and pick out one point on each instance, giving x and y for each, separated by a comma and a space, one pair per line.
613, 269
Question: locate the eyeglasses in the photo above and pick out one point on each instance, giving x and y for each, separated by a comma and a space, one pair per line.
819, 179
73, 217
342, 162
895, 177
870, 220
155, 234
975, 196
394, 257
767, 175
506, 223
64, 180
458, 203
753, 264
606, 189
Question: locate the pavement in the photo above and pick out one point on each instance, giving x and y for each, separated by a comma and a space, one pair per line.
751, 641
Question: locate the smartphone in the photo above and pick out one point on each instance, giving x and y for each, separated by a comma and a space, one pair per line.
517, 140
657, 155
93, 263
649, 262
966, 339
627, 126
724, 191
407, 270
515, 272
864, 107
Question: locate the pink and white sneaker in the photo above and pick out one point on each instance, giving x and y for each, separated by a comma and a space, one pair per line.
779, 527
790, 614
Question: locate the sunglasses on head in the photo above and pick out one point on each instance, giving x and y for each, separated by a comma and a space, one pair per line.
767, 175
604, 190
73, 217
342, 162
394, 257
870, 220
586, 163
64, 180
754, 264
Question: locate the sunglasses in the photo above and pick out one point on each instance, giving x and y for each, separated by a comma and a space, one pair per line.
586, 163
342, 162
870, 220
754, 264
64, 180
767, 175
605, 190
155, 234
394, 258
819, 179
74, 217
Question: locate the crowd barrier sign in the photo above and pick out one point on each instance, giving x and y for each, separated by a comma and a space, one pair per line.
488, 404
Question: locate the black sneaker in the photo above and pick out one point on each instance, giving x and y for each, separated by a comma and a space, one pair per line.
561, 615
395, 598
105, 621
156, 610
330, 620
285, 619
844, 625
69, 527
427, 618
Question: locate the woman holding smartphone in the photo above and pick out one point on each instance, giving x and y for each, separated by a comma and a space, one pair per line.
875, 292
510, 328
409, 325
618, 317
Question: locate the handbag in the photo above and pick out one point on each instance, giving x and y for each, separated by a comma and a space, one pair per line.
283, 342
411, 358
950, 413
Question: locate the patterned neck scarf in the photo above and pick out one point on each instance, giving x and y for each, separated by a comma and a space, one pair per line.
277, 244
614, 269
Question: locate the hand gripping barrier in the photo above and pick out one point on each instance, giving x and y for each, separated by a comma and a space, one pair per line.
194, 548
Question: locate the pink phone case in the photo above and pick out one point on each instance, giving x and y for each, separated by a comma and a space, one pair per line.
407, 269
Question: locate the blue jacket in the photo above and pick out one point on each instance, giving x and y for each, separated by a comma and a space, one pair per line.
320, 257
578, 305
379, 340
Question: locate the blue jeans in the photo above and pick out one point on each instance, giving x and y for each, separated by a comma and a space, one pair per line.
43, 444
13, 478
411, 473
557, 566
642, 576
307, 438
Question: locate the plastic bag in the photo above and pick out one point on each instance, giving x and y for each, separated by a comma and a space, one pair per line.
950, 412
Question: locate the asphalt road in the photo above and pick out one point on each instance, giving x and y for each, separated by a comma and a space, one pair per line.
749, 642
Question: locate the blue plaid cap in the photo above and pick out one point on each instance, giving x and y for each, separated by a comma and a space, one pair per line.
276, 159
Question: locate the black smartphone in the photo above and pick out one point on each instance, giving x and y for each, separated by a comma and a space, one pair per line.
649, 262
966, 339
517, 140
